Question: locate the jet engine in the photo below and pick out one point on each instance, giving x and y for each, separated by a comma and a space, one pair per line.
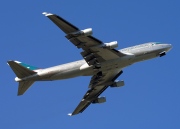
111, 45
99, 100
117, 84
85, 32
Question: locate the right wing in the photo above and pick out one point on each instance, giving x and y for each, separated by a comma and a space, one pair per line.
99, 83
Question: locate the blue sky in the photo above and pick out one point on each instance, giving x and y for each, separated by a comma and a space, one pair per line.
150, 98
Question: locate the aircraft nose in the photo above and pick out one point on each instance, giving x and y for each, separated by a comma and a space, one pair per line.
169, 47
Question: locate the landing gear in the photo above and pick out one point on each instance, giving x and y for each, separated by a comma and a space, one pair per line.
162, 54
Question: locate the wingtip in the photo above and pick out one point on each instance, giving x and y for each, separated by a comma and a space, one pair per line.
47, 14
69, 114
9, 61
19, 94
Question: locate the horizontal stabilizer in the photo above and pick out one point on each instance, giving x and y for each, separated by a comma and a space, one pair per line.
23, 86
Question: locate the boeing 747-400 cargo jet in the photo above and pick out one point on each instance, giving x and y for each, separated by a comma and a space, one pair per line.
101, 61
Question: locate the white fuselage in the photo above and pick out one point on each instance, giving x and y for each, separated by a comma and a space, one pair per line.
81, 68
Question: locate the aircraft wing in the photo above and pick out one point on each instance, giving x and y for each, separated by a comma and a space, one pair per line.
93, 50
99, 83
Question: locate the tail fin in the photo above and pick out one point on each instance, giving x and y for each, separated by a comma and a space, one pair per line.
22, 70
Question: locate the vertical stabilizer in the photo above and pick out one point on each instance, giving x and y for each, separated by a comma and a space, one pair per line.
20, 69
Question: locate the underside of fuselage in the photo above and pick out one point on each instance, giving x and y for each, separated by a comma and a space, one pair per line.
81, 68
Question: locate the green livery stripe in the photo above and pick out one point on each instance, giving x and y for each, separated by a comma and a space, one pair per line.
29, 66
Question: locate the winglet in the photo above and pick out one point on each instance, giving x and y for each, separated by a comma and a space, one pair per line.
69, 114
47, 14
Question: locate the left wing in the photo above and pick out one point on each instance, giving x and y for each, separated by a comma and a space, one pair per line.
94, 50
99, 83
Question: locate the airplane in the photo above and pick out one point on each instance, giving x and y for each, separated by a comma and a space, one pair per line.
101, 61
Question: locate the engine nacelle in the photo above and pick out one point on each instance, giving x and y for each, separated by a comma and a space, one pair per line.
117, 84
85, 32
17, 79
99, 100
111, 45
